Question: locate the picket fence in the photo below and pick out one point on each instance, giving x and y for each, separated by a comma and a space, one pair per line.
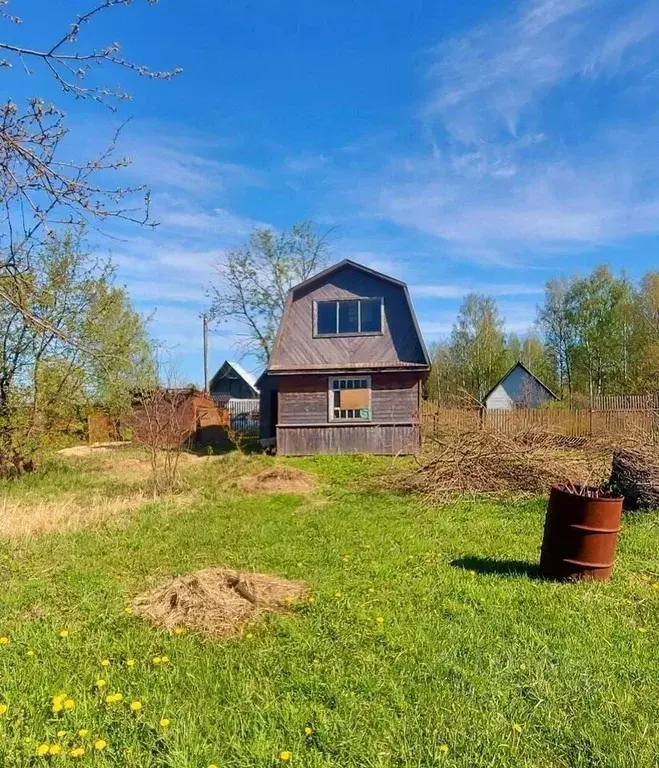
641, 423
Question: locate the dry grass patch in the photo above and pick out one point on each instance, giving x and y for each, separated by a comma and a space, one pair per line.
278, 479
217, 601
67, 513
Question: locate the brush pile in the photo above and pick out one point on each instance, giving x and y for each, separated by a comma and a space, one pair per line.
490, 462
635, 475
217, 601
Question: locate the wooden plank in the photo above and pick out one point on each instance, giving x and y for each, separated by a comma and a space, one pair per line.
346, 439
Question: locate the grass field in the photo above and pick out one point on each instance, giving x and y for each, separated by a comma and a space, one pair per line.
475, 661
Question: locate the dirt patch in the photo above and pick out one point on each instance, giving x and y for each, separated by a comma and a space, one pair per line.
278, 479
90, 450
216, 601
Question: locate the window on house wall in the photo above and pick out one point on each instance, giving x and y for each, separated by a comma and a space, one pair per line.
348, 317
350, 399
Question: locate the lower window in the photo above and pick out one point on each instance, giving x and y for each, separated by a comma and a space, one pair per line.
350, 399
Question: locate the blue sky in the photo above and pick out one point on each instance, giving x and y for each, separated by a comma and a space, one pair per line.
459, 146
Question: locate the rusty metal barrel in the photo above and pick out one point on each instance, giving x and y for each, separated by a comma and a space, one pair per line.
581, 535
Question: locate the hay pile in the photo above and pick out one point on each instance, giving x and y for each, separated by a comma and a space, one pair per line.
484, 462
635, 475
278, 479
217, 601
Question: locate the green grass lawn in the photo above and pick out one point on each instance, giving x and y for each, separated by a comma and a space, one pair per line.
476, 661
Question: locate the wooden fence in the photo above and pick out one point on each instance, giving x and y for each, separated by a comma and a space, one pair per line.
637, 424
626, 402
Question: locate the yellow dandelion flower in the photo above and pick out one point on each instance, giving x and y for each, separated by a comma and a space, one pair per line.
308, 731
69, 704
312, 599
3, 709
100, 744
64, 633
61, 734
380, 620
113, 698
105, 663
443, 748
165, 723
4, 640
179, 631
77, 752
128, 609
164, 659
30, 652
100, 683
285, 756
522, 667
156, 659
517, 727
57, 708
130, 662
136, 706
249, 635
42, 749
83, 733
54, 749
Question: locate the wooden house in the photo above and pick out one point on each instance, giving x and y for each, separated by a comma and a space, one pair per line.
233, 382
519, 388
347, 367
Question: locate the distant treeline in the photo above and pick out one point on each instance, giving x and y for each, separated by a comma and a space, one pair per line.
594, 335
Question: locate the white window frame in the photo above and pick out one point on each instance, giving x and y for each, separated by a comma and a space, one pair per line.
330, 399
358, 299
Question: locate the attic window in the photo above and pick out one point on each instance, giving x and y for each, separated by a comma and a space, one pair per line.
349, 317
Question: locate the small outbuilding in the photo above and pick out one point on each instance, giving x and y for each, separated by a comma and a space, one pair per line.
519, 388
233, 382
347, 368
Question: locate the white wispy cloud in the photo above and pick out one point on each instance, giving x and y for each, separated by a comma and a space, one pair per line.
504, 177
453, 291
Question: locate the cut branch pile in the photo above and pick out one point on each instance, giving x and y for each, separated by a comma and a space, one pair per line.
484, 462
635, 475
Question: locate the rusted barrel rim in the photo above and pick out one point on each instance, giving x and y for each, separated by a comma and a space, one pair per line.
606, 499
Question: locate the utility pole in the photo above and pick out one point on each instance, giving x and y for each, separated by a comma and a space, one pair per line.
204, 326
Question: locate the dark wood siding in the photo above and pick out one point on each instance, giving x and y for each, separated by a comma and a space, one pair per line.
385, 439
268, 406
398, 344
303, 399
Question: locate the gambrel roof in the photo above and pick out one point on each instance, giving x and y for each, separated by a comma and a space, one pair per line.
402, 328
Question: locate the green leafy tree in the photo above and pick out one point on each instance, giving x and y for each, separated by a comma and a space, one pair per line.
75, 340
478, 346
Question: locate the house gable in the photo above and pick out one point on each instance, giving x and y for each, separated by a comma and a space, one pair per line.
231, 379
519, 387
399, 344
